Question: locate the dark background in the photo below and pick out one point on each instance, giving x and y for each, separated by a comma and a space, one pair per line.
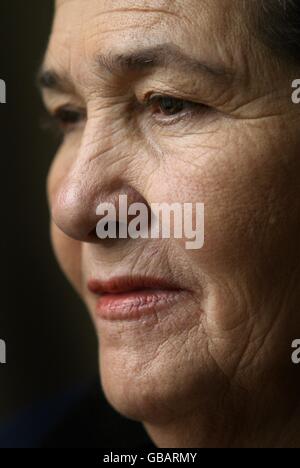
50, 342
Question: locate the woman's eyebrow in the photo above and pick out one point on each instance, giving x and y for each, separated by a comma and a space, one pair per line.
139, 61
50, 79
162, 55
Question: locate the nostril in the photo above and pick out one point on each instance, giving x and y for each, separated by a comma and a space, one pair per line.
92, 235
113, 230
94, 216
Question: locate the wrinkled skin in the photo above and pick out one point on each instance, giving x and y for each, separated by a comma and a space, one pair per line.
216, 371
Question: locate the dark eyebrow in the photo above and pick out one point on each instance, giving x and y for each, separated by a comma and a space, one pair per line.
50, 79
163, 55
141, 60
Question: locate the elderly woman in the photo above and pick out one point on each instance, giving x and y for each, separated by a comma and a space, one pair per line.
185, 102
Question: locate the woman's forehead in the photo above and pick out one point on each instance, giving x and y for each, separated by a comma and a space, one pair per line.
190, 11
99, 25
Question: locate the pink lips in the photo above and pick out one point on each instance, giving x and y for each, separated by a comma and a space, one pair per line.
125, 298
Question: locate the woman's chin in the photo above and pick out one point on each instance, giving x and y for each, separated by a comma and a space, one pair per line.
133, 402
153, 389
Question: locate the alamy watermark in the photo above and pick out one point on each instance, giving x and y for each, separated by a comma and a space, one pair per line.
2, 92
296, 353
296, 92
2, 342
161, 221
2, 352
150, 457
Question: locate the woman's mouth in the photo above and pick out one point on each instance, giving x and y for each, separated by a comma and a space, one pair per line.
131, 298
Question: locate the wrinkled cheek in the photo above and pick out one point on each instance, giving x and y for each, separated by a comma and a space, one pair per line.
68, 255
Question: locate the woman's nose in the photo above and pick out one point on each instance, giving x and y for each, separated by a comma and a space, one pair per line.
77, 201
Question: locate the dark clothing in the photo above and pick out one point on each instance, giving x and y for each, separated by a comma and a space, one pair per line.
81, 418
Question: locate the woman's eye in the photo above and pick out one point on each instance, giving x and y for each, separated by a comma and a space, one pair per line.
67, 118
168, 106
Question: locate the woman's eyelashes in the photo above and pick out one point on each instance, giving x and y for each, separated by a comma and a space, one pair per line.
161, 108
63, 120
68, 118
169, 109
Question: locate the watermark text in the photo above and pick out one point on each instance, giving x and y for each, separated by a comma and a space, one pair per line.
2, 352
2, 92
296, 92
159, 221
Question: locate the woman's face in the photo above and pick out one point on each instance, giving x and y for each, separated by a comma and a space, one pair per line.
229, 139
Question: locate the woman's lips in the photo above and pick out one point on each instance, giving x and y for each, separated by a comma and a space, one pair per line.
131, 298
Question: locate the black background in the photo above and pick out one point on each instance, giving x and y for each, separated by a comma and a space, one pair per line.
50, 342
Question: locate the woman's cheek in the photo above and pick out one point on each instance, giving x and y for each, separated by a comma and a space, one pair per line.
234, 180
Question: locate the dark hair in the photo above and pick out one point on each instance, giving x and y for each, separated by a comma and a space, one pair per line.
279, 25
